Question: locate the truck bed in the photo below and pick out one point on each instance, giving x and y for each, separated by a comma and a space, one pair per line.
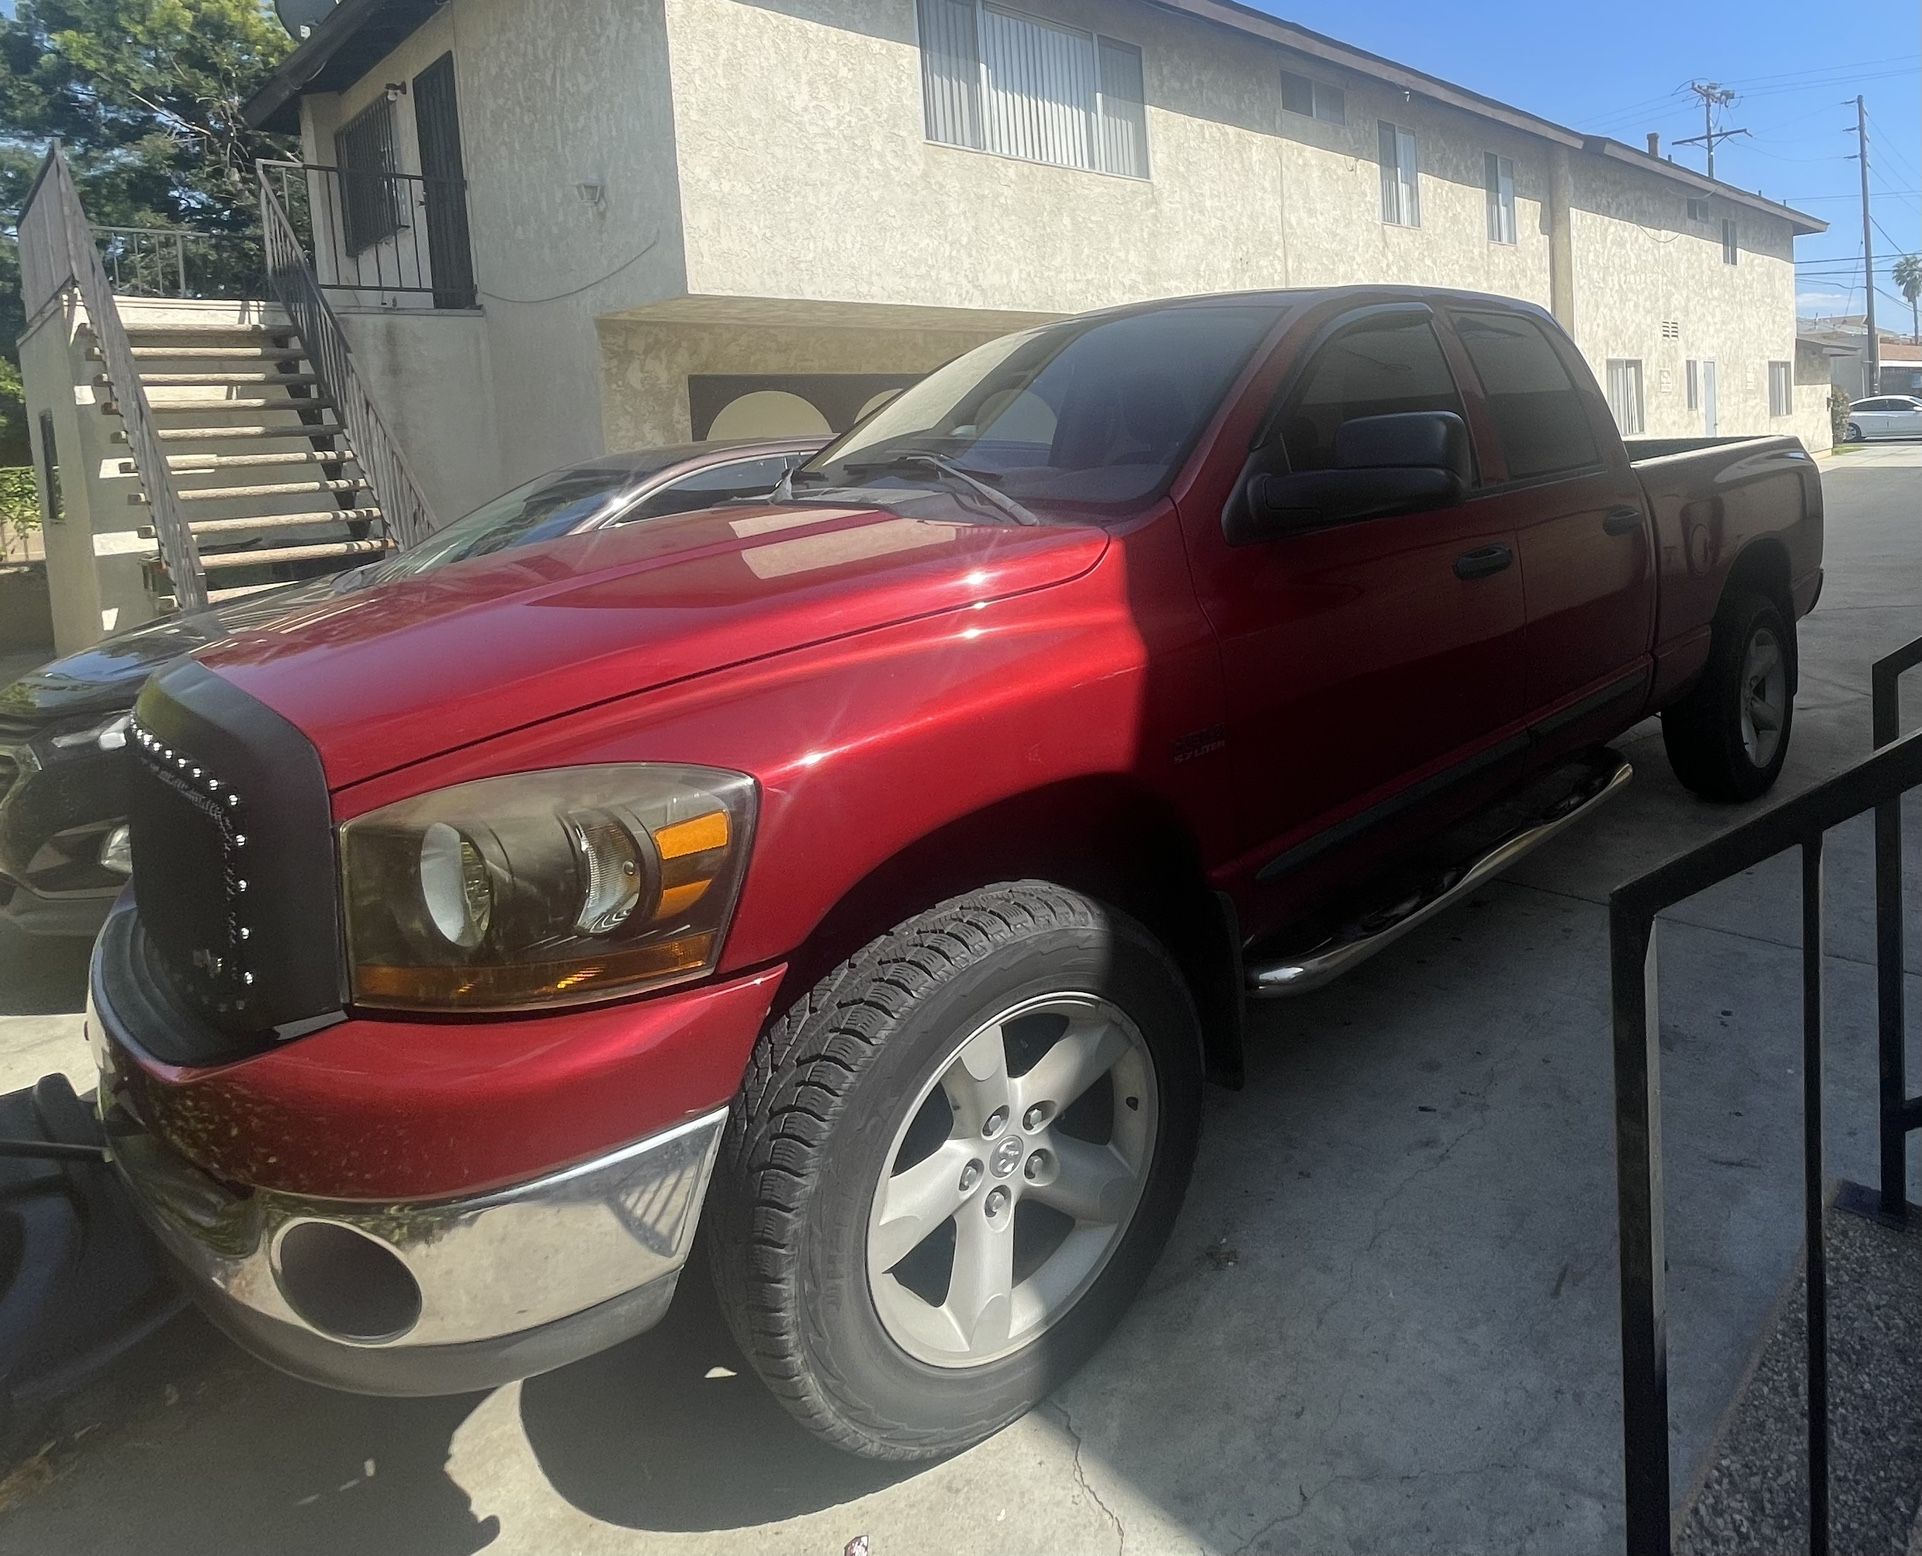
1711, 500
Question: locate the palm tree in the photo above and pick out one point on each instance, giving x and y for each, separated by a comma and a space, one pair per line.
1908, 276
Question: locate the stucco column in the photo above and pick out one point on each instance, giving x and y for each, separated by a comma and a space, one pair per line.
1561, 249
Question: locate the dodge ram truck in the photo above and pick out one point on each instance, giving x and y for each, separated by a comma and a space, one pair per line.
872, 877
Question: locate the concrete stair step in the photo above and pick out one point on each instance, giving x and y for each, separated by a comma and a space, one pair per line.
206, 464
200, 527
172, 352
310, 488
343, 548
302, 430
266, 375
226, 407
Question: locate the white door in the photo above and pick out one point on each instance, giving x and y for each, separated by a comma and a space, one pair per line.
1910, 417
1872, 416
1708, 397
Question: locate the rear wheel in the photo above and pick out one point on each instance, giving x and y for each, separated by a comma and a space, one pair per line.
1853, 434
1728, 738
952, 1165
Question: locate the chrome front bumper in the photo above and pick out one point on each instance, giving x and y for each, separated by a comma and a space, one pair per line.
427, 1297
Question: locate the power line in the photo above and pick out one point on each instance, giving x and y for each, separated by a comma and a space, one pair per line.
1850, 64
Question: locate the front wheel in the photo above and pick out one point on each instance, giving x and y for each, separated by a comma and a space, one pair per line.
1853, 434
1728, 738
953, 1163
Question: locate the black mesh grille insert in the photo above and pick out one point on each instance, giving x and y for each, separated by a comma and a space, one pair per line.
234, 873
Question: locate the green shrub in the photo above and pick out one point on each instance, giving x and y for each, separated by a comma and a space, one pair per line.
19, 508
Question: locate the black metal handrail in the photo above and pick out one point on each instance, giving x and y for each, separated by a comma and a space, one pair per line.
404, 507
378, 232
57, 250
1876, 784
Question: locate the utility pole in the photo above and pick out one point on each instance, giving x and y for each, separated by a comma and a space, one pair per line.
1871, 347
1713, 96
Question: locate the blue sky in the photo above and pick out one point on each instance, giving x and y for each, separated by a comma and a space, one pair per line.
1616, 71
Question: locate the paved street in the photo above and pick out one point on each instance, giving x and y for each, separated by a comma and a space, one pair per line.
1386, 1320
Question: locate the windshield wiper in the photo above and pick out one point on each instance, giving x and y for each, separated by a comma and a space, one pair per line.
925, 459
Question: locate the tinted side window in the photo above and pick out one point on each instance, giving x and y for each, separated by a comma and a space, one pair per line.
717, 483
1375, 367
1538, 414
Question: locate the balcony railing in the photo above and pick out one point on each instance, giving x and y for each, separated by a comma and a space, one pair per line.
174, 262
384, 235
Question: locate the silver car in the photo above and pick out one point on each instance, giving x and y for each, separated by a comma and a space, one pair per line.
1885, 416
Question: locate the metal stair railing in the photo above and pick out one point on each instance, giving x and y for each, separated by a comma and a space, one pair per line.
57, 249
293, 284
1874, 786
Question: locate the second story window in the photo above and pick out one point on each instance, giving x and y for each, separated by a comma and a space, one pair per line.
1313, 99
364, 149
1400, 176
1731, 249
998, 80
1624, 387
1499, 177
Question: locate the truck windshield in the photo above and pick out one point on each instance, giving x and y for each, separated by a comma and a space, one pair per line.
1093, 414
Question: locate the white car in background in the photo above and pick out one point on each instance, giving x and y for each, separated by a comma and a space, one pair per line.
1885, 416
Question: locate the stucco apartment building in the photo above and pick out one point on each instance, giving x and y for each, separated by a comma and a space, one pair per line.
697, 217
549, 230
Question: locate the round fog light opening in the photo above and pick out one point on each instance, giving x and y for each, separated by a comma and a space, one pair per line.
347, 1285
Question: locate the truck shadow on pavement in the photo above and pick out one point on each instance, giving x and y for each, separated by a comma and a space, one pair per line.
654, 1434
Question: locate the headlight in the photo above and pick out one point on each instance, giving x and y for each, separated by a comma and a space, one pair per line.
108, 735
548, 888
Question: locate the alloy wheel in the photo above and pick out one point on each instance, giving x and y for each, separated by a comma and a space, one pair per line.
1012, 1179
1764, 695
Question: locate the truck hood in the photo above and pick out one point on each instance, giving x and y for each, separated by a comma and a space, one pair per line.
380, 679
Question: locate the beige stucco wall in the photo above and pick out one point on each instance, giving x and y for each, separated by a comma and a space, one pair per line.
431, 375
1639, 261
772, 153
95, 577
800, 192
645, 366
551, 96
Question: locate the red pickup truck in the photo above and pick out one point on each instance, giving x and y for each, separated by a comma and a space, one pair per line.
872, 877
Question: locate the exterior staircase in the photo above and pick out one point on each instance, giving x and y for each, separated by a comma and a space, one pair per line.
263, 471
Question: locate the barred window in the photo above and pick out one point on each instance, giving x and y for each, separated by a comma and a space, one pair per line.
369, 194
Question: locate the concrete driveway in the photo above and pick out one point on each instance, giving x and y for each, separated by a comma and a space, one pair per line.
1386, 1320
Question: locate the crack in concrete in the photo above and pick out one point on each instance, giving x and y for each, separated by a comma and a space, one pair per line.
1376, 1229
1081, 1479
1511, 1463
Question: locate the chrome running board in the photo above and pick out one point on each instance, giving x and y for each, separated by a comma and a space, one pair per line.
1352, 945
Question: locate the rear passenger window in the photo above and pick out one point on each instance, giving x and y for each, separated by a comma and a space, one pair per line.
1375, 367
1538, 415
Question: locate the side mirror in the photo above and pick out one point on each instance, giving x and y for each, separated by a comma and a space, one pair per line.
1384, 465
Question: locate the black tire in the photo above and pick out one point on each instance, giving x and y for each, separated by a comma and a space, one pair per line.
1703, 733
1853, 434
810, 1135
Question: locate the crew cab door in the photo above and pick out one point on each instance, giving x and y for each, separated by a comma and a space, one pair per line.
1559, 478
1367, 662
